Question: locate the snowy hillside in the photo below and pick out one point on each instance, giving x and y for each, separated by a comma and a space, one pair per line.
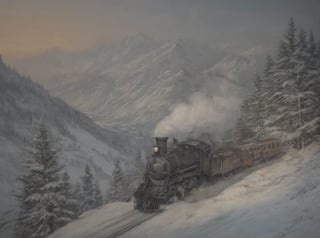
277, 199
76, 138
135, 83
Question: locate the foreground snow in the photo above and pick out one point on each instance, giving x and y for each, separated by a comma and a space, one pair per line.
92, 221
276, 199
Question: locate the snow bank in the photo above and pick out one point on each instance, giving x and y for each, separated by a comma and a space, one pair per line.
276, 199
93, 220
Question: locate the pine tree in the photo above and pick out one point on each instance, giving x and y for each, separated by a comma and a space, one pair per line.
290, 37
244, 132
300, 82
311, 47
77, 200
66, 201
87, 190
310, 100
257, 107
301, 91
117, 187
317, 56
139, 165
283, 119
41, 189
21, 228
287, 95
269, 88
97, 195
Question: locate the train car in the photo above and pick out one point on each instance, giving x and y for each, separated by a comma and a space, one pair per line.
265, 149
230, 160
226, 160
246, 158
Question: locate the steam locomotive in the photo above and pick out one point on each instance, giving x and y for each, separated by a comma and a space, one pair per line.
172, 174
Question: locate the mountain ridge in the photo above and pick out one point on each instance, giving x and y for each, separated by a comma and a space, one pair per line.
133, 84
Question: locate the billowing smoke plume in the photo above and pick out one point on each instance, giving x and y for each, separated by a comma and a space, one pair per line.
201, 115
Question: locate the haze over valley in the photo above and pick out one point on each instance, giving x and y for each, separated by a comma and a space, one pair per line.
133, 84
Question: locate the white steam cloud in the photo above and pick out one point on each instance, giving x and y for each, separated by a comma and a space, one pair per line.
201, 115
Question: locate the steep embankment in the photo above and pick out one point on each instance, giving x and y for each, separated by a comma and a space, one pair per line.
77, 139
277, 199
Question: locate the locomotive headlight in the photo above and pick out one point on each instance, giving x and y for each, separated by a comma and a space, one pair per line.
155, 149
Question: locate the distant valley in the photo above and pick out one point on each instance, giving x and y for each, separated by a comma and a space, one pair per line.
133, 84
76, 138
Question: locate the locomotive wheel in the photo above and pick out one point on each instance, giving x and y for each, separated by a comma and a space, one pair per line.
138, 204
146, 205
193, 182
190, 183
135, 204
180, 192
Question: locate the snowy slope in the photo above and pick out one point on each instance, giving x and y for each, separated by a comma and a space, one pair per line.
133, 84
276, 199
77, 139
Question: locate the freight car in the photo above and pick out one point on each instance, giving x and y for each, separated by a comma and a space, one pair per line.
172, 174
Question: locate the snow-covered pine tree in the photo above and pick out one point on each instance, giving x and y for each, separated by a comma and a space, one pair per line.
243, 131
290, 37
290, 89
300, 92
310, 84
97, 195
87, 190
41, 188
269, 89
21, 228
318, 54
138, 167
117, 187
66, 201
251, 124
317, 63
303, 94
139, 164
77, 200
282, 120
256, 109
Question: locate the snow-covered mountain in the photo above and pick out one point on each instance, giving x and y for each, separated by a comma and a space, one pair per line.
134, 83
278, 198
77, 139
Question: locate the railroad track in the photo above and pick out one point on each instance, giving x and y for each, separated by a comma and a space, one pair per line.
121, 224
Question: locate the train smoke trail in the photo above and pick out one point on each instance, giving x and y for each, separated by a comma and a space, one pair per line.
202, 114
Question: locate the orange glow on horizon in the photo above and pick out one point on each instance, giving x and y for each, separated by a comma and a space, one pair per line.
24, 33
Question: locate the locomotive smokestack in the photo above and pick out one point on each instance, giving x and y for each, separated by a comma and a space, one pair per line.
162, 143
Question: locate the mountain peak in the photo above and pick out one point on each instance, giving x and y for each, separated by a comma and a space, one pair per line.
137, 39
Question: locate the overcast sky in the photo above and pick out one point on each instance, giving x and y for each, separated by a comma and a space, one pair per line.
32, 26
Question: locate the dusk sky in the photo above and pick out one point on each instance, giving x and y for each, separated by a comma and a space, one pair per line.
32, 26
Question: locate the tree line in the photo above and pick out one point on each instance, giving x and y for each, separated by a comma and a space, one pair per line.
47, 200
285, 102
